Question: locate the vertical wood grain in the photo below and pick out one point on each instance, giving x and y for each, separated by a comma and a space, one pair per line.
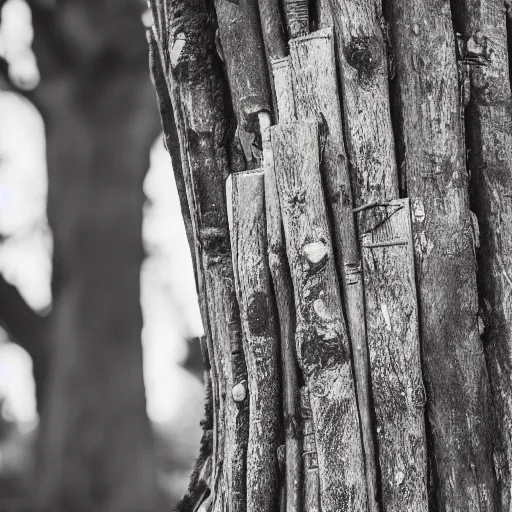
394, 346
260, 339
322, 344
316, 96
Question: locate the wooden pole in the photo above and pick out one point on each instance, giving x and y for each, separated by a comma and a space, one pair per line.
316, 95
393, 343
261, 342
281, 72
244, 56
322, 344
284, 297
361, 53
272, 28
196, 86
489, 141
434, 160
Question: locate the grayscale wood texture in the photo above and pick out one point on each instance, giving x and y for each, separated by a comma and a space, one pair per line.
316, 96
260, 338
431, 131
394, 346
323, 349
361, 52
283, 290
489, 144
244, 56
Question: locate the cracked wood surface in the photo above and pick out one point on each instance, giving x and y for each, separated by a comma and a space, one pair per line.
361, 52
197, 92
283, 289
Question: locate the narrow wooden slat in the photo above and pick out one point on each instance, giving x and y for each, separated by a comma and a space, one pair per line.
283, 86
322, 344
281, 278
316, 95
261, 342
489, 143
430, 125
393, 342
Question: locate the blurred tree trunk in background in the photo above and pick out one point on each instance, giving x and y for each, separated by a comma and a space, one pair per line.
96, 448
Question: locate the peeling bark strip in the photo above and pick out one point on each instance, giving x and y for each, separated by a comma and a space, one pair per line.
311, 479
489, 139
322, 346
261, 344
393, 342
283, 290
361, 54
453, 360
316, 96
197, 95
244, 56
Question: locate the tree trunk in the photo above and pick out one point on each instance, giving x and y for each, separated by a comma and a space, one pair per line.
96, 448
375, 340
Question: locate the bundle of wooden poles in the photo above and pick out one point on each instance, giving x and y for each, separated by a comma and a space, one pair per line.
358, 348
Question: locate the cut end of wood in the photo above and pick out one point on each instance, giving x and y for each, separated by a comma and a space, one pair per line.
315, 252
239, 392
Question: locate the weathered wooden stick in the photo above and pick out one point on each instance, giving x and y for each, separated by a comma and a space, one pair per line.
453, 360
272, 28
324, 14
196, 93
393, 342
316, 95
311, 478
283, 85
361, 52
489, 140
244, 56
297, 17
322, 345
261, 342
284, 298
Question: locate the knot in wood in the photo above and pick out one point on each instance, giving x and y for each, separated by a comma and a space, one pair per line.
476, 46
364, 55
215, 240
315, 252
239, 392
